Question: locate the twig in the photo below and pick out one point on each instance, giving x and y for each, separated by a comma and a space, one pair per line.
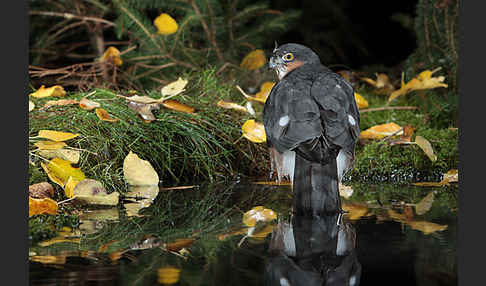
72, 16
391, 135
387, 108
206, 29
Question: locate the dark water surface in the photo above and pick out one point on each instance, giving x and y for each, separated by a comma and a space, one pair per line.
391, 235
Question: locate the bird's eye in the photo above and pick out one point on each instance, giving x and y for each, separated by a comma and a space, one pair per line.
288, 57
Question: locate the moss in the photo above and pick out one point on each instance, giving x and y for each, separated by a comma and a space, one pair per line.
43, 227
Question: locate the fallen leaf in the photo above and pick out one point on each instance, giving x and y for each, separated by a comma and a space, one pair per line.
92, 192
426, 227
179, 244
361, 102
41, 206
138, 172
425, 204
60, 102
265, 90
165, 24
112, 53
88, 104
168, 275
59, 239
231, 105
62, 169
66, 154
425, 145
142, 99
56, 135
397, 216
254, 60
382, 81
260, 233
452, 176
423, 81
103, 115
381, 131
144, 110
69, 187
428, 184
52, 176
55, 90
258, 214
254, 131
177, 106
41, 190
31, 106
49, 145
174, 88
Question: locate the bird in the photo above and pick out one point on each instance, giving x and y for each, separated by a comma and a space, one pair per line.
311, 122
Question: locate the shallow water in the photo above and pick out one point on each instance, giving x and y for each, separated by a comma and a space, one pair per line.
403, 236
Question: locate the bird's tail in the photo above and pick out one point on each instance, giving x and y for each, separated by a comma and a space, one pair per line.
315, 188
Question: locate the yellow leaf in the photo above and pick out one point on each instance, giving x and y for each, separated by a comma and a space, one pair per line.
423, 81
113, 54
429, 184
452, 176
142, 99
55, 90
88, 104
174, 88
361, 102
62, 169
92, 192
382, 130
49, 259
265, 90
31, 106
426, 227
254, 131
424, 144
262, 233
56, 135
382, 81
354, 211
259, 213
177, 106
69, 187
40, 206
165, 24
231, 105
103, 115
168, 275
254, 60
52, 176
425, 204
138, 172
49, 145
59, 239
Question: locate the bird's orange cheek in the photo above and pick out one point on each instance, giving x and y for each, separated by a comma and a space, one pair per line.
293, 65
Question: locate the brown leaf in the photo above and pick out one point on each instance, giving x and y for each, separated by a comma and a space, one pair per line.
425, 145
178, 244
426, 227
41, 190
381, 131
176, 105
144, 110
231, 105
103, 115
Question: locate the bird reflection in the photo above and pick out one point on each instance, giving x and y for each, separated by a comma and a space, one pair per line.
313, 250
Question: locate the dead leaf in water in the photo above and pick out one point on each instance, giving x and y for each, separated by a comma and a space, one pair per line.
354, 211
426, 227
104, 115
258, 214
425, 145
168, 275
92, 192
425, 204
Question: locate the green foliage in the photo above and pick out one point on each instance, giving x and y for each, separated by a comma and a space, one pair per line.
436, 26
209, 32
43, 226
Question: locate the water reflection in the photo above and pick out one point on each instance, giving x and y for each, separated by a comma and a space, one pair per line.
313, 250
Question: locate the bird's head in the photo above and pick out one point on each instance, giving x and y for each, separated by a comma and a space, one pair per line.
288, 57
